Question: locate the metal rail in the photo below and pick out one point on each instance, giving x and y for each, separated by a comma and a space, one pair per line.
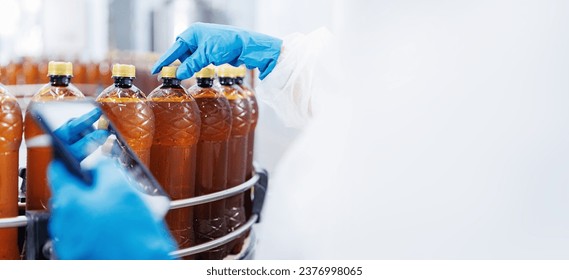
181, 203
216, 242
21, 221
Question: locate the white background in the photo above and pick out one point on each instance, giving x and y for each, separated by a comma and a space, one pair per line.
455, 144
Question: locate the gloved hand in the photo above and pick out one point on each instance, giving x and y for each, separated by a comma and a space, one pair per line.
80, 135
203, 44
105, 220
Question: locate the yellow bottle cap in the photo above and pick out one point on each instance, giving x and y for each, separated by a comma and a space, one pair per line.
206, 72
241, 71
226, 70
123, 70
168, 71
59, 68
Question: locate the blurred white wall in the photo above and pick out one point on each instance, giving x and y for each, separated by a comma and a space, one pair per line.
9, 23
170, 20
58, 28
281, 18
97, 30
457, 146
88, 29
173, 17
64, 30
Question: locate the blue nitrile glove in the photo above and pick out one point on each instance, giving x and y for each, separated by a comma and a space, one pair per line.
80, 135
204, 43
105, 220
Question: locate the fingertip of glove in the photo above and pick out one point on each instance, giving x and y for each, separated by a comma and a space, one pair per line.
93, 115
98, 110
156, 69
99, 135
183, 74
263, 74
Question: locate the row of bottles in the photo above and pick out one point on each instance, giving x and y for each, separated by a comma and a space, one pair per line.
35, 71
195, 142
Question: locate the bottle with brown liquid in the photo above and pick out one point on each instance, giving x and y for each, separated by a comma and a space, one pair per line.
30, 71
105, 73
174, 149
237, 157
92, 73
240, 72
38, 151
80, 73
2, 74
11, 126
42, 71
211, 173
12, 70
126, 106
19, 71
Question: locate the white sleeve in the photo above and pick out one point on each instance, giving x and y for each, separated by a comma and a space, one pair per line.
290, 88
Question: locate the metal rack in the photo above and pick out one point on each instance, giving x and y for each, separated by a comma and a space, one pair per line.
20, 221
258, 183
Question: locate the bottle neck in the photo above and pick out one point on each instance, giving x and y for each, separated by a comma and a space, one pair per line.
204, 82
59, 81
170, 83
123, 82
226, 81
239, 80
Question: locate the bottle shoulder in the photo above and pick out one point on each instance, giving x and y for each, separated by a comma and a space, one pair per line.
202, 92
9, 104
247, 90
11, 121
231, 92
170, 94
49, 92
5, 95
118, 94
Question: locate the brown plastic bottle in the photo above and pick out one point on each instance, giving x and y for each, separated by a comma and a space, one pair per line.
11, 126
2, 74
38, 154
250, 94
12, 70
211, 173
30, 71
19, 72
247, 91
92, 73
42, 71
174, 149
126, 106
105, 73
80, 76
237, 157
